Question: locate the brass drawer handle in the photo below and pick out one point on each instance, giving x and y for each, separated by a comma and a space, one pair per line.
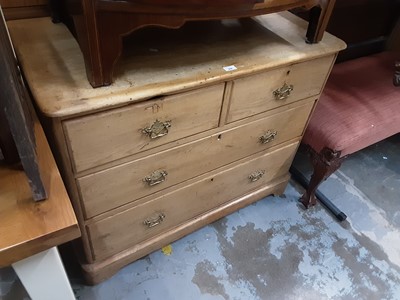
269, 136
283, 92
156, 177
157, 130
154, 221
256, 175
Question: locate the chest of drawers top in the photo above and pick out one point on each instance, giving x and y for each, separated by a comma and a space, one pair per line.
164, 61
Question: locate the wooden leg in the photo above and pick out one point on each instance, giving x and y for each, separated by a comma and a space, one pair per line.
44, 277
110, 44
109, 57
396, 78
324, 163
319, 18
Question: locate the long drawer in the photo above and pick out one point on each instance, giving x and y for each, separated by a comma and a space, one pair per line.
116, 186
258, 93
142, 222
104, 137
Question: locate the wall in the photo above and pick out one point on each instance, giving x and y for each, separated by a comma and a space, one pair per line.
19, 9
394, 42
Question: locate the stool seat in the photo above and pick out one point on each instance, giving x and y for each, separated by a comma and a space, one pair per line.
359, 106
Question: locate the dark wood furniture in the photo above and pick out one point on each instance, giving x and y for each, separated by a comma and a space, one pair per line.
358, 107
17, 140
100, 25
365, 25
360, 103
21, 9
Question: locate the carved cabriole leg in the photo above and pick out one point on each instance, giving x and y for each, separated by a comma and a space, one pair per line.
324, 163
319, 18
396, 78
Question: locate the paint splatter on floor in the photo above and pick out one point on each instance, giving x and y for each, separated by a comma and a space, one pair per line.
274, 249
167, 250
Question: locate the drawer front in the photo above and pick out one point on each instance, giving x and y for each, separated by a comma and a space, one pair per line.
258, 93
105, 137
116, 186
142, 222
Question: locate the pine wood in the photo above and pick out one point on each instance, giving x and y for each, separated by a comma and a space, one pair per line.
199, 63
116, 186
26, 227
104, 190
54, 130
186, 203
118, 132
101, 270
254, 94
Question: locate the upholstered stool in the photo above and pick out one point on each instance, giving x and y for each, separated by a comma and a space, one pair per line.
359, 106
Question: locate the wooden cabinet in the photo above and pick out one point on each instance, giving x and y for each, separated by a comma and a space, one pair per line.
101, 44
100, 192
268, 90
193, 136
167, 210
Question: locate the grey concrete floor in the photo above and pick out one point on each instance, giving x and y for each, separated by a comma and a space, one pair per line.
274, 249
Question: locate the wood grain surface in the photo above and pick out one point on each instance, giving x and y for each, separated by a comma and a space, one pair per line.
105, 190
21, 3
116, 186
21, 9
26, 227
183, 204
118, 133
60, 86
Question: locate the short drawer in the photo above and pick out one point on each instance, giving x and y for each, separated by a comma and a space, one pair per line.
258, 93
105, 190
103, 137
142, 222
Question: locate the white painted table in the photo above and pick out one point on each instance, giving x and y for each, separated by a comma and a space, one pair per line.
30, 232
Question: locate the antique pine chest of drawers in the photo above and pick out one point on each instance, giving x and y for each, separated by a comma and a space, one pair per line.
199, 123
